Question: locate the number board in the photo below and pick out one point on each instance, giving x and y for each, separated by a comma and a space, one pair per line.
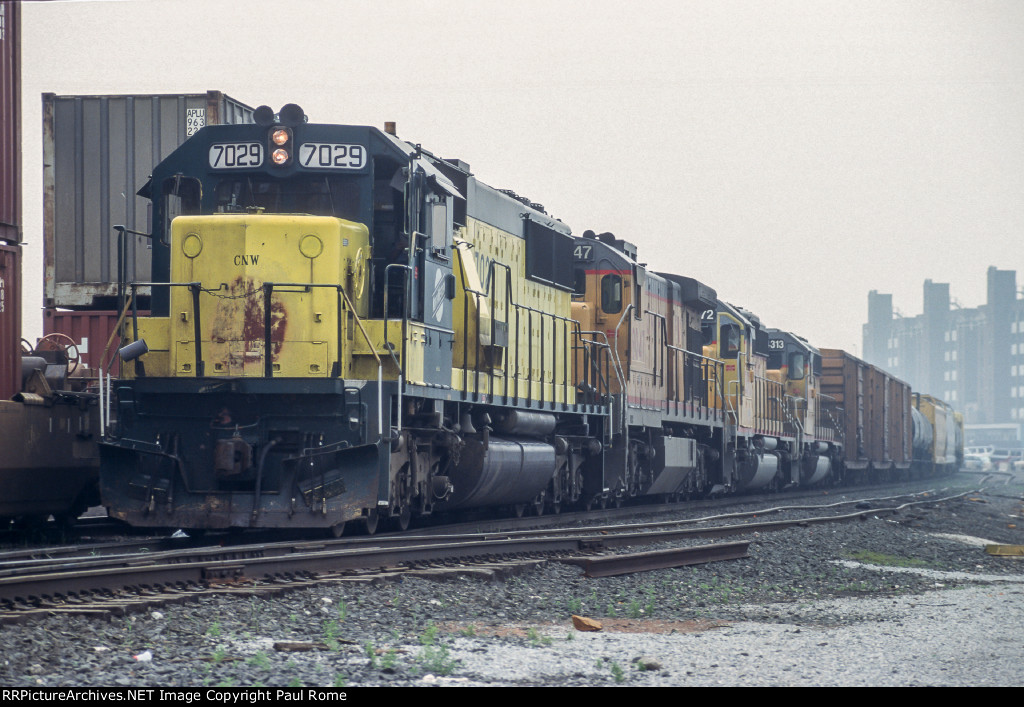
233, 155
777, 344
582, 252
325, 155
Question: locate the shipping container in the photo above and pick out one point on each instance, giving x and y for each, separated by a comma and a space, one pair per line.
877, 425
98, 151
10, 123
10, 320
91, 330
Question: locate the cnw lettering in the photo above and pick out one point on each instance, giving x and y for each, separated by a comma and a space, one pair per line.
246, 259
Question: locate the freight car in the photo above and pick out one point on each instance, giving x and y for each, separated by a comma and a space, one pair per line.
346, 328
50, 459
48, 455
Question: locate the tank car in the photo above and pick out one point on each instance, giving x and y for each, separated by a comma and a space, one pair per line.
49, 461
345, 327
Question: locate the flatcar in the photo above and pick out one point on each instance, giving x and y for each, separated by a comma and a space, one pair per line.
345, 328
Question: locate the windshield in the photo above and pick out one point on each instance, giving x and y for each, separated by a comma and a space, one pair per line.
316, 195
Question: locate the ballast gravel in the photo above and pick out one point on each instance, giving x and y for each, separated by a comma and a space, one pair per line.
907, 599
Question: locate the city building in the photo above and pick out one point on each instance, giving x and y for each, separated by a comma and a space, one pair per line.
971, 358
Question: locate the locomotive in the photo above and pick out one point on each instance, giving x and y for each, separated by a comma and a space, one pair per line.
345, 328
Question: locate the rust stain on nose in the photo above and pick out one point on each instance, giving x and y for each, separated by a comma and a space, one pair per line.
240, 317
253, 323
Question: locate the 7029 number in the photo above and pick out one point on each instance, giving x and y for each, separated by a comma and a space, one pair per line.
236, 154
332, 156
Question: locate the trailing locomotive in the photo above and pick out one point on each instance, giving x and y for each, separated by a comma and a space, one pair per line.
347, 328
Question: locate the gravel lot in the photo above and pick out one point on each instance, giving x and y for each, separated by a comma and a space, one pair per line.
911, 599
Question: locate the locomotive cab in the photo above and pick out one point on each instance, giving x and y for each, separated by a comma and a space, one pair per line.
811, 418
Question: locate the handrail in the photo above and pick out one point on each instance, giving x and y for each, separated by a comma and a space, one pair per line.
268, 290
510, 305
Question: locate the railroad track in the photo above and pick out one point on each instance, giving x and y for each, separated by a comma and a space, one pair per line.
121, 582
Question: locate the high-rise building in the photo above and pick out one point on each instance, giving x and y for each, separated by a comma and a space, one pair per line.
971, 358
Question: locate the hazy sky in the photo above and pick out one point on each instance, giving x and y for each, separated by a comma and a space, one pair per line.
792, 154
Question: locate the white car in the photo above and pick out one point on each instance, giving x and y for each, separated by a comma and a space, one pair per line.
979, 462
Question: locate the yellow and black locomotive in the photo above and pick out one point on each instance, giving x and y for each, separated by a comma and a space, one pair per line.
344, 327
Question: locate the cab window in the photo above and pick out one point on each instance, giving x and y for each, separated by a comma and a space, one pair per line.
611, 294
181, 197
797, 366
729, 341
579, 287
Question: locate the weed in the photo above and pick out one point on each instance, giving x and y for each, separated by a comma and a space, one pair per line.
617, 673
219, 655
634, 610
429, 636
229, 682
388, 661
469, 631
856, 587
295, 683
260, 660
610, 610
214, 630
256, 609
331, 635
570, 636
339, 680
435, 658
650, 602
878, 558
342, 611
371, 653
575, 605
536, 639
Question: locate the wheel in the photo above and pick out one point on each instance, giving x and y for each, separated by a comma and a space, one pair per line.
338, 529
61, 342
371, 522
402, 520
30, 522
519, 509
